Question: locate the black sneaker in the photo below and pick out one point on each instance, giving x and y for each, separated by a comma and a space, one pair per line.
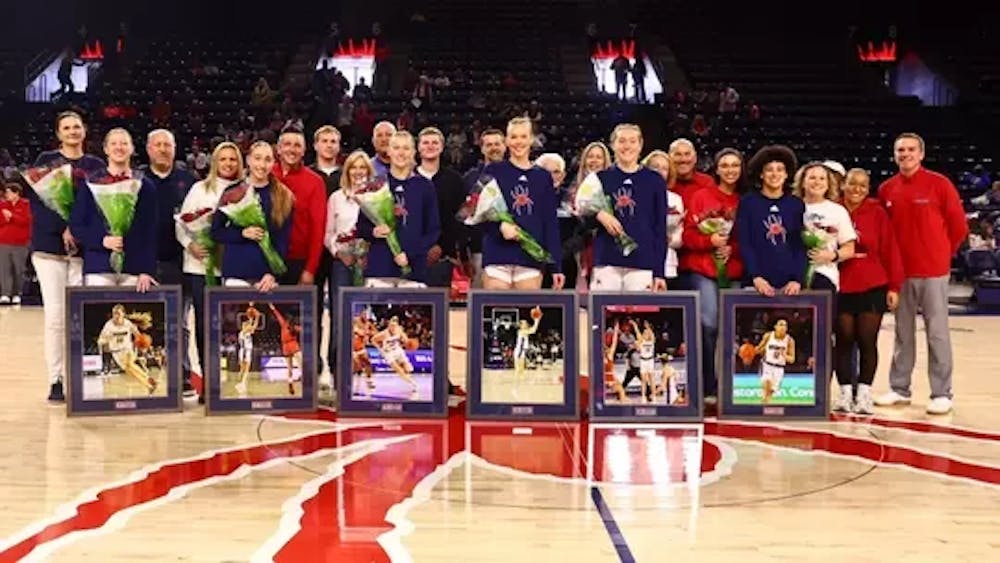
56, 393
188, 390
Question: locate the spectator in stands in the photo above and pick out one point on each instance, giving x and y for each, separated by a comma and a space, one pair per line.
929, 223
54, 247
869, 287
689, 179
418, 224
703, 252
639, 196
326, 144
197, 160
450, 194
620, 65
139, 244
225, 170
659, 162
15, 236
456, 142
491, 145
769, 226
381, 133
837, 174
262, 95
531, 199
171, 181
639, 78
243, 262
729, 100
362, 92
988, 199
305, 246
341, 229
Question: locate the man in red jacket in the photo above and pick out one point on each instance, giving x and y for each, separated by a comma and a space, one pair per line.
309, 223
15, 235
929, 224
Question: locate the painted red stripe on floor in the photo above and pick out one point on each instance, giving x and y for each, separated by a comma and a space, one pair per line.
918, 426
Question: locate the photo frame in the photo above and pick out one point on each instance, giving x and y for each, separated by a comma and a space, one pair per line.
262, 350
522, 357
398, 365
645, 379
123, 350
787, 379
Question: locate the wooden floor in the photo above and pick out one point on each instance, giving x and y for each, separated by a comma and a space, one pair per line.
183, 487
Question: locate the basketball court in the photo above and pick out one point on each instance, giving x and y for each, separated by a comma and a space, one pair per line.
185, 487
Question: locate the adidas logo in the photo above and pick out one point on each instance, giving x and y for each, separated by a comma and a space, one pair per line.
523, 178
627, 182
774, 209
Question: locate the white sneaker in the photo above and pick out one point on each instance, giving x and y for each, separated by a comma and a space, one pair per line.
16, 300
939, 405
845, 400
891, 399
4, 300
325, 380
863, 400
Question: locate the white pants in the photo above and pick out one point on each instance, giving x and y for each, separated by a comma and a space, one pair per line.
613, 278
381, 283
511, 274
236, 282
772, 373
110, 280
55, 274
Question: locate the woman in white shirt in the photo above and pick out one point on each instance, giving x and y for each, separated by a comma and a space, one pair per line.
661, 162
341, 230
226, 168
818, 189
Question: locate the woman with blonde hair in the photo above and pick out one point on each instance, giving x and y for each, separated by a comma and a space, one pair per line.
661, 163
593, 158
816, 186
243, 261
202, 199
139, 244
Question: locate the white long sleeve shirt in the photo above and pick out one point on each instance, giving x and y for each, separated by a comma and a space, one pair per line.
341, 219
199, 197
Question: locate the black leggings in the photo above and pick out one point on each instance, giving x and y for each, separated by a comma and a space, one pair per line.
860, 329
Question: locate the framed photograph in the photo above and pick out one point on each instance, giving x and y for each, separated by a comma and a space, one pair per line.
398, 365
645, 357
776, 358
124, 350
522, 355
261, 350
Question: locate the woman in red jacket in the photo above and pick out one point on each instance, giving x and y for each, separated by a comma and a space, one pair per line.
704, 257
15, 235
869, 286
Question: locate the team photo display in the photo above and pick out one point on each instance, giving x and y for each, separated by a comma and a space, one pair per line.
260, 352
523, 358
644, 355
124, 350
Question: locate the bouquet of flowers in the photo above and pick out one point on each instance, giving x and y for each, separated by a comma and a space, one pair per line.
486, 204
116, 198
816, 237
675, 220
718, 222
376, 202
54, 186
356, 248
590, 200
244, 209
198, 224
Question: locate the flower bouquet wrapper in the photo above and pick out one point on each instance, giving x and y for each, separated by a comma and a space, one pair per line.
816, 237
590, 200
486, 205
378, 205
199, 225
116, 199
242, 205
718, 223
54, 187
356, 248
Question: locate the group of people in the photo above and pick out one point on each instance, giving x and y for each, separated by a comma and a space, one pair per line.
693, 231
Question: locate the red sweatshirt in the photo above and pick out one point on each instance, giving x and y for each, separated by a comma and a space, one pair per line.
697, 249
927, 219
882, 263
15, 231
309, 221
687, 188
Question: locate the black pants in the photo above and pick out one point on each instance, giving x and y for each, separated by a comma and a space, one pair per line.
194, 286
169, 272
324, 282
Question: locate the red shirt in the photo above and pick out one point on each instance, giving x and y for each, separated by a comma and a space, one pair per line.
15, 231
687, 188
309, 222
927, 219
697, 247
881, 263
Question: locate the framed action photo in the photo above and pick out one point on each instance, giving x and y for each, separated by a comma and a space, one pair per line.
645, 357
124, 350
397, 363
522, 355
775, 355
261, 350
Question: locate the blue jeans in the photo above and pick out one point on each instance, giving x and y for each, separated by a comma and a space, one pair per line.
340, 276
708, 299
